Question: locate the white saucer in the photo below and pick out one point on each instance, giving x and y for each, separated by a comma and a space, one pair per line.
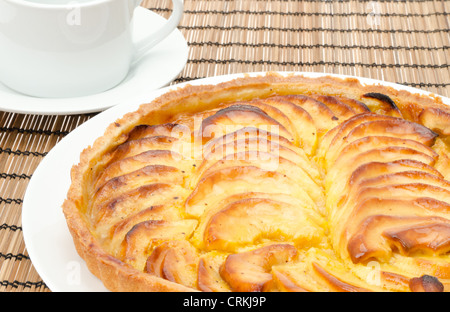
157, 68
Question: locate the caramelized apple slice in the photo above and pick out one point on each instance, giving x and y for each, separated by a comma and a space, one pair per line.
339, 108
176, 261
121, 227
209, 279
375, 169
398, 178
234, 180
152, 157
135, 147
305, 128
375, 238
443, 162
410, 191
395, 127
144, 176
269, 162
335, 282
144, 236
431, 238
366, 143
338, 133
323, 116
338, 192
167, 129
135, 200
319, 270
288, 200
348, 223
344, 165
436, 119
250, 133
250, 220
237, 117
250, 271
382, 104
256, 150
383, 128
272, 111
406, 191
357, 106
426, 283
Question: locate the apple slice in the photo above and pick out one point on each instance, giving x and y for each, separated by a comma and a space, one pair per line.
338, 133
167, 129
145, 236
133, 163
433, 239
323, 116
234, 180
386, 180
443, 162
249, 221
273, 163
144, 176
379, 234
405, 191
236, 117
288, 200
223, 148
250, 133
253, 146
339, 108
349, 223
271, 110
175, 261
375, 169
135, 200
395, 127
318, 270
383, 128
209, 279
344, 165
250, 271
436, 119
382, 104
135, 147
426, 283
338, 192
119, 227
366, 143
357, 106
305, 128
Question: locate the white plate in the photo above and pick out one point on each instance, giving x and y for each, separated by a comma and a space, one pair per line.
46, 235
157, 69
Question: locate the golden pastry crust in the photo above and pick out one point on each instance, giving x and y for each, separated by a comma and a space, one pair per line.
295, 183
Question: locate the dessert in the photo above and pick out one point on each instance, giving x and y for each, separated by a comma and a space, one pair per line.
269, 183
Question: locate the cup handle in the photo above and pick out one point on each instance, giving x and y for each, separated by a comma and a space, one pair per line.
142, 46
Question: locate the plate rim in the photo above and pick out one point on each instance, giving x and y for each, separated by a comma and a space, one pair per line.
110, 115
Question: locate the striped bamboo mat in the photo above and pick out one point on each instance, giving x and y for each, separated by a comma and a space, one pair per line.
406, 42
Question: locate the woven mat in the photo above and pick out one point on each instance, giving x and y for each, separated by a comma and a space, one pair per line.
406, 42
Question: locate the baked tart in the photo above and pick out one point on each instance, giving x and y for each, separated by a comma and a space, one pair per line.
269, 183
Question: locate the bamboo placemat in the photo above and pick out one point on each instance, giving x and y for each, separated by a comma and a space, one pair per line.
406, 42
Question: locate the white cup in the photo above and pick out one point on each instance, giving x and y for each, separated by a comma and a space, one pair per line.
66, 48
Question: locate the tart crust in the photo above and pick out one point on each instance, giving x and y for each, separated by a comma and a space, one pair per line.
179, 105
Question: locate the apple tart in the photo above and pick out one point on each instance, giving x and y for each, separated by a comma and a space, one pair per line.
269, 183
